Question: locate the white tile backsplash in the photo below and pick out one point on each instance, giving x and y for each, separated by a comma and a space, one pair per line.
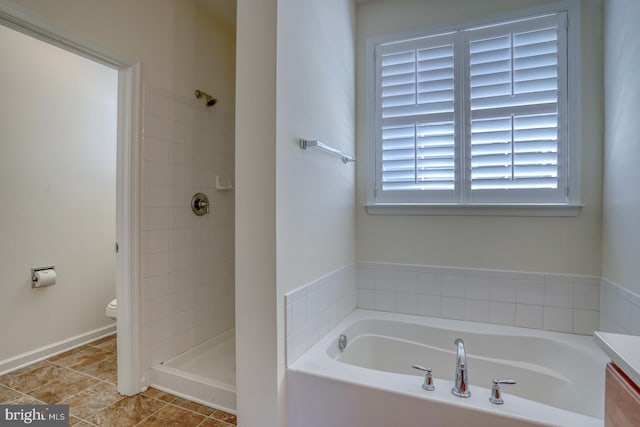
530, 292
365, 299
476, 310
452, 307
452, 285
385, 280
585, 321
558, 319
407, 281
429, 305
530, 316
428, 283
558, 294
556, 302
385, 300
317, 307
477, 287
366, 279
503, 289
502, 313
406, 303
619, 308
586, 296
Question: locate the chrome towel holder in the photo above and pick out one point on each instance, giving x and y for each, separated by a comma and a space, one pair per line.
305, 143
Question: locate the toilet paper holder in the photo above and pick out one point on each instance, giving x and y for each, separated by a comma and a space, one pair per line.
34, 277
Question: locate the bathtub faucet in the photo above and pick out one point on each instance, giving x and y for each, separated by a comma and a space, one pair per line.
461, 382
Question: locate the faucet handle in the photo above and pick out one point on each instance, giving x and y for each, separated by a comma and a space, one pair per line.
428, 377
496, 395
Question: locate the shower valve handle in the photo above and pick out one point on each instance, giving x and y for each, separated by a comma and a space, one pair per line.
200, 204
428, 377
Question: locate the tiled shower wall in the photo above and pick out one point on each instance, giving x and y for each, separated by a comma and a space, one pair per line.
563, 303
188, 261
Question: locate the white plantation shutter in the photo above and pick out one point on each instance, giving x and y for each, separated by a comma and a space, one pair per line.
516, 87
476, 116
416, 116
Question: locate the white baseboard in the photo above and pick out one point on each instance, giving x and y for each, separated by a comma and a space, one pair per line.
45, 352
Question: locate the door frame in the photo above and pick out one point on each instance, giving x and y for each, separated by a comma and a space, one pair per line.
131, 370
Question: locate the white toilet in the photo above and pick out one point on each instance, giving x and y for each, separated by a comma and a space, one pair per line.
112, 309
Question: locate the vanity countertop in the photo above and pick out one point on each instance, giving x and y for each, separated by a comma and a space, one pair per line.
624, 351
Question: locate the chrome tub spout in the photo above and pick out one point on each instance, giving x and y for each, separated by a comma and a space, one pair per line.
461, 382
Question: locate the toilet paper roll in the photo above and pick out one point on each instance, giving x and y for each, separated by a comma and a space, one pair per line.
44, 278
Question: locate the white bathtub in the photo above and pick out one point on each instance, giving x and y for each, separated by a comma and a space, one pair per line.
560, 377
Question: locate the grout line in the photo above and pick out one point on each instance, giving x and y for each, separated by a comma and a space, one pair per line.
86, 421
154, 412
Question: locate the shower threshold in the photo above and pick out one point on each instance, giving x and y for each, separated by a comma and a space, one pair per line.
205, 374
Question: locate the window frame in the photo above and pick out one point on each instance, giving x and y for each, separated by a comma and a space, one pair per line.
447, 206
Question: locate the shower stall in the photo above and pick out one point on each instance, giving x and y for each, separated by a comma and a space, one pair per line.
189, 269
188, 147
205, 373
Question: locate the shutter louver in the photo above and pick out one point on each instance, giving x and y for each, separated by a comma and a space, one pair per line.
514, 110
417, 117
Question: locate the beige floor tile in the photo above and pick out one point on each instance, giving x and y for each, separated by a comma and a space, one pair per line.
193, 406
85, 379
74, 421
126, 412
92, 400
81, 357
104, 369
6, 394
34, 376
66, 386
160, 395
25, 399
173, 416
211, 422
223, 416
108, 344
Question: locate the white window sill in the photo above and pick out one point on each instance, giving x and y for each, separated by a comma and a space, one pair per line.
474, 210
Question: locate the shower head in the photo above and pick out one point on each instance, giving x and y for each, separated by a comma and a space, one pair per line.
210, 100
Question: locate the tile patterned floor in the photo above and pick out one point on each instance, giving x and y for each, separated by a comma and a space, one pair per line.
85, 379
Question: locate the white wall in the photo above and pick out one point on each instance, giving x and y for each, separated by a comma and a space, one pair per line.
550, 245
316, 100
300, 202
621, 220
256, 326
57, 181
315, 192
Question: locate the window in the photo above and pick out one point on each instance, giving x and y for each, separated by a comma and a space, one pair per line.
474, 117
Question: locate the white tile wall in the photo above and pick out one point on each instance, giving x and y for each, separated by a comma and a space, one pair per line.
564, 303
619, 309
314, 309
187, 260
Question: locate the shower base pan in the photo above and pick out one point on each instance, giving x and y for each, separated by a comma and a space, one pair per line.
205, 374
